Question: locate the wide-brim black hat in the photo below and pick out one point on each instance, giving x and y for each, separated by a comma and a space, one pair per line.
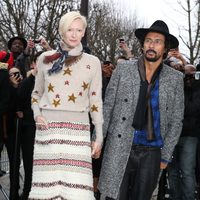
158, 26
17, 38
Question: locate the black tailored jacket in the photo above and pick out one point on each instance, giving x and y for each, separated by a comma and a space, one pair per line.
191, 121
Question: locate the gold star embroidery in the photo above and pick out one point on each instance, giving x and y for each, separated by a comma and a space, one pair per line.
34, 100
56, 102
94, 108
67, 71
93, 93
50, 88
85, 85
72, 97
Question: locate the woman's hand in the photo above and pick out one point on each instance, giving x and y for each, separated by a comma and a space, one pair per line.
41, 123
96, 150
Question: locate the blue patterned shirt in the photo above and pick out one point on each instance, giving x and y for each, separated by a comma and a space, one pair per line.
140, 137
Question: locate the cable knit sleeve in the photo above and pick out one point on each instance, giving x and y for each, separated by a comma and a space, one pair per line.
38, 88
95, 101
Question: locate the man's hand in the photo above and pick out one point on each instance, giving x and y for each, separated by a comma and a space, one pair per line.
163, 165
30, 45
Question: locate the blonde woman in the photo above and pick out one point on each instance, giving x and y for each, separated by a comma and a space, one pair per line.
67, 88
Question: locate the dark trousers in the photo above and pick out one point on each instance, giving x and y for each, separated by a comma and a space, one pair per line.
27, 146
24, 141
14, 163
162, 186
141, 175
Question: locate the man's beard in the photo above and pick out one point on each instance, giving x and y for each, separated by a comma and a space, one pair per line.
151, 59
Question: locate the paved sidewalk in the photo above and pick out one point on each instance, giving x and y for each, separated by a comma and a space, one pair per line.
4, 190
5, 183
4, 180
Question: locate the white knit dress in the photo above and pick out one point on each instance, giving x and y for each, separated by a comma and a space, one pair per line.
62, 167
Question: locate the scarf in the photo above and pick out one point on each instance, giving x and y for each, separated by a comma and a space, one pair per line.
65, 53
143, 118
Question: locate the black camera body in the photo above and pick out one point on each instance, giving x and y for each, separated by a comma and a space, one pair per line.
197, 75
36, 41
17, 74
106, 62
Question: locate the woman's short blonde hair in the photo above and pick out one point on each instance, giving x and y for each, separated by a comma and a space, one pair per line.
67, 19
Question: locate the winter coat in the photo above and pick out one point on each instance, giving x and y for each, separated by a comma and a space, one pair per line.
119, 107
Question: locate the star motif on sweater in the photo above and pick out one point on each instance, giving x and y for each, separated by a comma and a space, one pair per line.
67, 71
85, 85
66, 82
72, 97
88, 66
50, 88
57, 96
94, 108
56, 102
34, 101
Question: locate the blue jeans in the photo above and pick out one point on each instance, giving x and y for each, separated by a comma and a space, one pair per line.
181, 172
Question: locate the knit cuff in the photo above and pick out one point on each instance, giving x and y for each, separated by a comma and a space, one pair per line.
98, 134
36, 111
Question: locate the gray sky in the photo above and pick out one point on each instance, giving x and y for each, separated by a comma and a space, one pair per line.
150, 10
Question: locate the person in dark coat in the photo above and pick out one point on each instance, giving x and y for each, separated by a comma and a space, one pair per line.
16, 46
27, 127
12, 131
181, 171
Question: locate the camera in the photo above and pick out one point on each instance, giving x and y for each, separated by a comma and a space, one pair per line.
106, 62
197, 76
17, 74
37, 41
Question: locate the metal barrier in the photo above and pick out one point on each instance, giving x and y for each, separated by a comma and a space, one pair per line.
4, 163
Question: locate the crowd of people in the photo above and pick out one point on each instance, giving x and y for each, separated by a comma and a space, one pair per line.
90, 129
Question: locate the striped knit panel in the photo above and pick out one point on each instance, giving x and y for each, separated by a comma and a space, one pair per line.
62, 167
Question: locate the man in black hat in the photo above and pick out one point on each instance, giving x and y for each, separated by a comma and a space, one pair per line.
143, 112
16, 45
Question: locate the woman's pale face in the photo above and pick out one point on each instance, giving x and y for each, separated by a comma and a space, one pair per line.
74, 33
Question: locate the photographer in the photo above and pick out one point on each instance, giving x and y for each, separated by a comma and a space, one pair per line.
27, 126
26, 57
176, 60
182, 180
12, 147
126, 52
